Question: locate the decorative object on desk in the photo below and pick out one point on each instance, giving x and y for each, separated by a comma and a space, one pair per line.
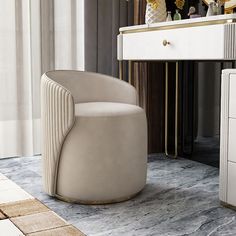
221, 6
169, 18
177, 15
216, 9
211, 9
228, 5
192, 10
195, 16
192, 13
221, 9
155, 11
180, 4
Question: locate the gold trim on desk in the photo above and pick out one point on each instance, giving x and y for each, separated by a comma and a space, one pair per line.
179, 26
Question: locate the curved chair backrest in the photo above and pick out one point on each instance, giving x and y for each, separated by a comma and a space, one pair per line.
94, 87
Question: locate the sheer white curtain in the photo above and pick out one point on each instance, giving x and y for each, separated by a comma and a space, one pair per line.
35, 36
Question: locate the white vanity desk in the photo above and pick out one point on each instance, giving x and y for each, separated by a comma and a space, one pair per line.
202, 39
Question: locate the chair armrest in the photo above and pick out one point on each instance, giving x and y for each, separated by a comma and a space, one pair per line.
57, 115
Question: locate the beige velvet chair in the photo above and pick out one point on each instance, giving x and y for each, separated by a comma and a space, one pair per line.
94, 138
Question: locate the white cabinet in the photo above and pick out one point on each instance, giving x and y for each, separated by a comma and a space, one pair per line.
228, 138
231, 193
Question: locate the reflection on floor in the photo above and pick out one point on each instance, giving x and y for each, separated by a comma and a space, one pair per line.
207, 150
181, 198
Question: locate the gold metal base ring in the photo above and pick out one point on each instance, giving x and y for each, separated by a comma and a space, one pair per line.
85, 202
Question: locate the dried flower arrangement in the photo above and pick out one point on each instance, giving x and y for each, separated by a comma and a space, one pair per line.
180, 4
154, 3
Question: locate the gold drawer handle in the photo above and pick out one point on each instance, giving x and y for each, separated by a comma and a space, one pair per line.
165, 43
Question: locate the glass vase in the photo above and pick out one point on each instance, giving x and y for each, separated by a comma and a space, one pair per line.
155, 15
177, 15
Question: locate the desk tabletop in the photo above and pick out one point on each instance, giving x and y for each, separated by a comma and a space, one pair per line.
201, 21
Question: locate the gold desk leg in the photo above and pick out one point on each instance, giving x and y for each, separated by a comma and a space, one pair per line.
176, 107
130, 72
166, 109
121, 70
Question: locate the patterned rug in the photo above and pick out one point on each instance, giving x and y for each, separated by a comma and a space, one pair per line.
22, 214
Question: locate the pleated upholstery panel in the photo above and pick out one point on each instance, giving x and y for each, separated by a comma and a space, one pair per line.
57, 114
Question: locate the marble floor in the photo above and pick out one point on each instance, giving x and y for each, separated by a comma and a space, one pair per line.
181, 198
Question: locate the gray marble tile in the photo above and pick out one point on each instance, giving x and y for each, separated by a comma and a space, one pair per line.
181, 198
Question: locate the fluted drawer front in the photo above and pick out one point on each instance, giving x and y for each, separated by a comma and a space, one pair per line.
57, 114
230, 41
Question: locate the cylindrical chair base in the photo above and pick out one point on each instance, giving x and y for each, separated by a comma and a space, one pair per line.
104, 157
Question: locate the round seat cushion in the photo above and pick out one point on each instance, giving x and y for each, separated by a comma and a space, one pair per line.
102, 109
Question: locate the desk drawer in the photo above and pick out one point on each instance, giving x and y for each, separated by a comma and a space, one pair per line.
195, 43
232, 97
232, 140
